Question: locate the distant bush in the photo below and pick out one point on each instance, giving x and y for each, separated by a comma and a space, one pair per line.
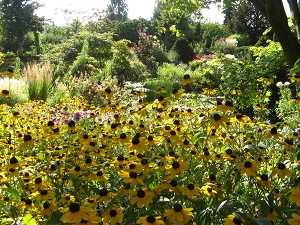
243, 39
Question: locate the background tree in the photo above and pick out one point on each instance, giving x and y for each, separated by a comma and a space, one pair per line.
117, 10
17, 19
274, 12
244, 18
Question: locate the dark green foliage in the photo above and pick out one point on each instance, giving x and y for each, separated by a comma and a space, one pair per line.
211, 32
117, 10
245, 19
243, 39
17, 19
184, 50
129, 29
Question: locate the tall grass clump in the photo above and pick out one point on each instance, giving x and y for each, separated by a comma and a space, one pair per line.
39, 79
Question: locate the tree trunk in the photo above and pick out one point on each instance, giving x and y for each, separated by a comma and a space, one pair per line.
273, 10
295, 16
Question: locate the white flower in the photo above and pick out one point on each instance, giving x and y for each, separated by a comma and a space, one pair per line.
287, 83
279, 84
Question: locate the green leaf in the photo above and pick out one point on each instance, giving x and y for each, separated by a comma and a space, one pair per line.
29, 220
261, 221
41, 155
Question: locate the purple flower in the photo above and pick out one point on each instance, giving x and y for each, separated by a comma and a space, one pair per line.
64, 107
77, 116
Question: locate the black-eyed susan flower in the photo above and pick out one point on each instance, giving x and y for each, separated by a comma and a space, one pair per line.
273, 133
150, 220
141, 197
282, 171
105, 195
208, 190
295, 196
67, 198
177, 92
131, 177
236, 91
295, 78
107, 92
75, 213
27, 204
5, 93
266, 80
191, 190
295, 220
10, 72
187, 79
94, 219
177, 168
172, 185
48, 207
178, 214
248, 167
233, 220
44, 195
113, 215
160, 90
209, 91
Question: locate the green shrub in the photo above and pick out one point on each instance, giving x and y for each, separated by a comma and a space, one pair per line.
243, 39
184, 50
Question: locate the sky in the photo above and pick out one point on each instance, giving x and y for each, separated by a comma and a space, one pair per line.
136, 9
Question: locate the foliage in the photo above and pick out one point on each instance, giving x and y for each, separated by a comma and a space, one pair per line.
124, 64
39, 80
246, 19
17, 19
117, 10
129, 29
210, 32
184, 50
243, 39
226, 46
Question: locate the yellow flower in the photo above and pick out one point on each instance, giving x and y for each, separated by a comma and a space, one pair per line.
177, 167
295, 78
75, 213
187, 79
266, 80
282, 171
236, 91
178, 214
295, 196
248, 167
10, 73
232, 220
295, 220
150, 220
113, 215
131, 177
208, 191
209, 91
141, 197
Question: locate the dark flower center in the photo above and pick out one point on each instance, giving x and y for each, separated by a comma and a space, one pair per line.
274, 130
46, 205
186, 76
71, 123
99, 173
123, 136
50, 123
173, 133
264, 177
133, 175
248, 164
237, 221
13, 160
186, 142
177, 207
77, 168
103, 192
288, 141
88, 160
74, 207
27, 137
217, 117
212, 177
173, 183
135, 141
28, 201
38, 180
150, 138
141, 194
107, 90
113, 213
5, 92
43, 192
281, 166
150, 219
191, 186
175, 165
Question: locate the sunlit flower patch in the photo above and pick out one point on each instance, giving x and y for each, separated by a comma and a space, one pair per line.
166, 162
